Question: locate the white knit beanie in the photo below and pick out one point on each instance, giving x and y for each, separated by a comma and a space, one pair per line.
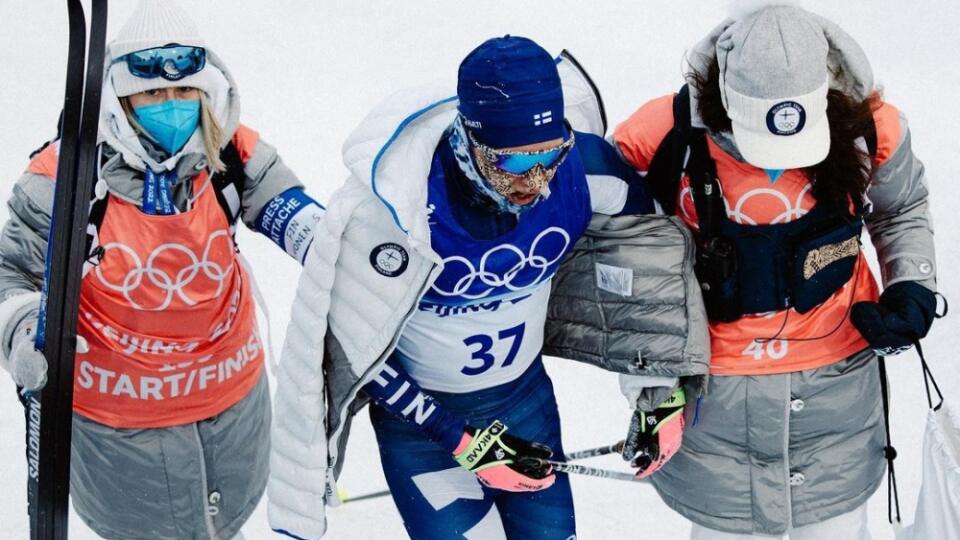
154, 23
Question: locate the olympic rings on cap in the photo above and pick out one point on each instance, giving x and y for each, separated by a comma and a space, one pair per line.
161, 278
492, 262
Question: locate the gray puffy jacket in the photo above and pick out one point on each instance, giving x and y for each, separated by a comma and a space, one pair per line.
626, 299
200, 480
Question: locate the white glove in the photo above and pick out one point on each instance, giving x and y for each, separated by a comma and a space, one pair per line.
28, 366
646, 391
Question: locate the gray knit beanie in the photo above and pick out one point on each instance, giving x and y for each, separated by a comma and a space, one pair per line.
154, 23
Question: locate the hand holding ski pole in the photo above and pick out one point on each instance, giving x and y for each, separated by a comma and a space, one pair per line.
503, 461
27, 365
655, 436
587, 453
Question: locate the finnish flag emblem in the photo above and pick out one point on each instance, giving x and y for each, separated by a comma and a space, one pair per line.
543, 118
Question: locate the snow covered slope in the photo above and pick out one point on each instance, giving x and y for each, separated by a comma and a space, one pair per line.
309, 71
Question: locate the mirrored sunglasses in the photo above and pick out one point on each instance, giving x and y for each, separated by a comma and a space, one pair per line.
519, 163
172, 62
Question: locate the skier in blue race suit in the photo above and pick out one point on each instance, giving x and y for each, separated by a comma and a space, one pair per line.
511, 187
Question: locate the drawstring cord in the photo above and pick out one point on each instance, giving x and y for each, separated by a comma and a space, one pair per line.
889, 452
272, 361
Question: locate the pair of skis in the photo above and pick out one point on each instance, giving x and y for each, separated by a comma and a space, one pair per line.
50, 415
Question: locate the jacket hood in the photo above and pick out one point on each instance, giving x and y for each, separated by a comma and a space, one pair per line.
391, 152
116, 131
849, 69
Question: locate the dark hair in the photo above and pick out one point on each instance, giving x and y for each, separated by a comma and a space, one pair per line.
845, 173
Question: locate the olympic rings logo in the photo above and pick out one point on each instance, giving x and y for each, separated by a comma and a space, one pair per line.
148, 275
771, 198
545, 250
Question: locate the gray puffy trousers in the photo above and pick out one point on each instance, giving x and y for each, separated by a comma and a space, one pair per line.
772, 452
196, 481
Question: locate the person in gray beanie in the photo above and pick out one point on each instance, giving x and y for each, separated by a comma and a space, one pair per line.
171, 406
776, 153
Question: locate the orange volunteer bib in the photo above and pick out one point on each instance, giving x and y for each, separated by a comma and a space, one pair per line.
169, 317
782, 341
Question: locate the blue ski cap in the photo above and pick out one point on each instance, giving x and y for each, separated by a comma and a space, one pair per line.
510, 93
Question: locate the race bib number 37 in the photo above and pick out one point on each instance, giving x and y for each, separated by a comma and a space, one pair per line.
481, 356
474, 347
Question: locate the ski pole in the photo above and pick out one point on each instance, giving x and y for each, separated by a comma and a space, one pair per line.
571, 468
365, 496
616, 447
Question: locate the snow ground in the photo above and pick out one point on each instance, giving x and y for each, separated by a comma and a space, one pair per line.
309, 71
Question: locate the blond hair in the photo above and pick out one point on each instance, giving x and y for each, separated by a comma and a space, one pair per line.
210, 130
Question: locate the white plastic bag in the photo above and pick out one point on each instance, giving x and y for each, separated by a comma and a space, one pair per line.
938, 508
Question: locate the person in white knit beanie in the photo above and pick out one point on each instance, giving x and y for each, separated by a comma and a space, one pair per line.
158, 57
171, 405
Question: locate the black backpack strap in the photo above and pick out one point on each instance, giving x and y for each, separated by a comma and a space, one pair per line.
870, 137
228, 185
704, 187
41, 148
684, 150
98, 209
681, 110
666, 166
98, 202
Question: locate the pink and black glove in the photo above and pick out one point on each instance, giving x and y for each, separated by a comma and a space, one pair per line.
655, 436
503, 461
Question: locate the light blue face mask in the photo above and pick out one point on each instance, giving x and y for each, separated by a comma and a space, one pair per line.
171, 123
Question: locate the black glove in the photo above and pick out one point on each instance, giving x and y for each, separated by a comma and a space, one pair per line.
901, 317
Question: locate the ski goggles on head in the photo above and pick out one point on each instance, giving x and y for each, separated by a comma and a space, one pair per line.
519, 163
172, 62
